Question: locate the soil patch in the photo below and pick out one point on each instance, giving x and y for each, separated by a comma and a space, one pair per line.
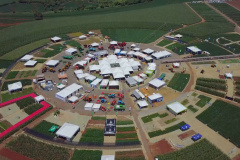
122, 118
19, 66
12, 155
235, 3
91, 122
131, 154
237, 157
186, 134
127, 132
161, 147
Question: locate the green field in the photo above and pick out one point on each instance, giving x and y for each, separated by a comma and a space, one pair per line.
192, 108
179, 81
93, 136
124, 122
223, 118
164, 42
32, 108
197, 151
86, 154
149, 118
98, 118
125, 129
12, 75
203, 100
73, 43
43, 128
7, 96
5, 63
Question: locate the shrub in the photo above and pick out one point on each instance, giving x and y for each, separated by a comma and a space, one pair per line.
207, 90
25, 102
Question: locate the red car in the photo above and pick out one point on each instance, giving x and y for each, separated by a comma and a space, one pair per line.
114, 102
102, 108
102, 97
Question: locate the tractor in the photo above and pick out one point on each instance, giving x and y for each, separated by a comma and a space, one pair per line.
213, 65
114, 102
102, 97
119, 108
120, 95
52, 70
103, 101
111, 96
102, 108
120, 102
88, 99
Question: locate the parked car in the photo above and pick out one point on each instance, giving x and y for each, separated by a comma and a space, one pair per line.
119, 108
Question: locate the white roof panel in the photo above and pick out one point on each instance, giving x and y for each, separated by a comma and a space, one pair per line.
30, 63
69, 90
113, 83
15, 86
157, 83
52, 62
27, 57
67, 130
155, 96
176, 107
142, 103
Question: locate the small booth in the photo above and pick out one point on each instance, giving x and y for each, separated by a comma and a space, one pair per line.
30, 63
104, 84
73, 99
71, 51
88, 106
61, 86
130, 53
14, 87
113, 84
176, 65
90, 78
39, 99
96, 107
56, 39
123, 53
52, 63
26, 58
94, 68
193, 50
228, 75
178, 36
117, 51
118, 76
155, 98
148, 51
156, 83
162, 54
143, 76
137, 94
138, 79
62, 75
148, 59
136, 49
91, 33
82, 37
142, 104
131, 82
95, 83
68, 131
176, 108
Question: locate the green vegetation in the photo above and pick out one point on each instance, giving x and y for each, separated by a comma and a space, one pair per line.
125, 129
93, 136
210, 91
193, 109
3, 125
179, 81
126, 135
12, 75
32, 108
226, 9
129, 155
203, 100
164, 42
213, 85
124, 122
7, 96
34, 72
86, 154
57, 48
99, 118
73, 43
230, 61
24, 82
167, 130
41, 60
41, 150
223, 118
212, 80
194, 94
43, 127
171, 120
21, 74
149, 118
5, 63
27, 74
185, 102
197, 151
25, 102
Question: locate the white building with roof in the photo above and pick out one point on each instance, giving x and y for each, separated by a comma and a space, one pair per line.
52, 63
39, 99
26, 58
108, 157
148, 51
56, 39
104, 83
94, 44
156, 97
95, 83
88, 106
113, 84
96, 107
68, 131
17, 86
82, 37
71, 51
194, 50
113, 42
156, 83
68, 91
176, 108
30, 63
162, 54
142, 104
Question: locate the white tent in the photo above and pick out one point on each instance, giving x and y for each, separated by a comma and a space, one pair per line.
52, 63
176, 65
90, 78
106, 71
130, 53
118, 75
178, 36
67, 131
96, 107
143, 76
68, 91
39, 99
176, 108
113, 83
95, 44
61, 86
148, 51
142, 104
194, 49
82, 76
112, 57
81, 63
88, 59
82, 37
90, 32
78, 72
71, 51
56, 39
138, 79
113, 42
228, 75
88, 106
26, 58
104, 83
94, 67
15, 87
30, 63
108, 157
136, 54
73, 99
148, 58
142, 55
95, 83
133, 45
136, 49
162, 54
156, 83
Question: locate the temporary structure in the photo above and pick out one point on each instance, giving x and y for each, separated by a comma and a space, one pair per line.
176, 108
17, 86
143, 76
176, 65
71, 51
155, 98
52, 63
68, 131
156, 83
113, 42
96, 107
39, 99
68, 91
90, 78
118, 75
78, 72
142, 104
113, 84
193, 50
73, 99
136, 49
82, 37
162, 54
30, 63
117, 51
148, 51
101, 53
91, 33
138, 79
108, 157
95, 83
104, 83
131, 82
94, 68
26, 58
138, 94
56, 39
88, 106
130, 53
148, 59
228, 75
62, 75
95, 44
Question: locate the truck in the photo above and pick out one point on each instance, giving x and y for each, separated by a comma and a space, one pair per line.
119, 108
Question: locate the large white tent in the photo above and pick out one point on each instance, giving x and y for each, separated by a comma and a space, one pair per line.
156, 83
68, 91
56, 39
95, 83
82, 37
30, 63
142, 104
52, 63
176, 108
26, 58
95, 44
96, 107
162, 54
71, 51
17, 86
88, 106
68, 131
148, 51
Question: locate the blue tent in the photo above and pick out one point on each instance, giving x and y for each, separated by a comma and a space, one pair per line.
196, 137
185, 127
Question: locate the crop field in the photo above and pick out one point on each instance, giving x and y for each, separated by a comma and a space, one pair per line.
86, 154
23, 103
6, 1
229, 11
197, 151
203, 100
149, 118
12, 75
98, 118
73, 43
164, 42
93, 136
192, 108
126, 134
223, 118
37, 150
179, 81
7, 96
57, 48
43, 128
32, 108
5, 63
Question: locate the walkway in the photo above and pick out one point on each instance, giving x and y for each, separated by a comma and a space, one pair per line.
230, 88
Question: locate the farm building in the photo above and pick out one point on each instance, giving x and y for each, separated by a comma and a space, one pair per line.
137, 94
82, 37
162, 54
88, 106
131, 82
96, 107
39, 99
52, 63
155, 98
101, 53
176, 108
176, 65
142, 104
78, 72
228, 75
178, 36
71, 51
67, 131
90, 78
138, 79
30, 63
68, 91
108, 157
56, 39
193, 50
95, 83
26, 58
156, 83
14, 87
113, 84
73, 99
94, 44
148, 51
104, 84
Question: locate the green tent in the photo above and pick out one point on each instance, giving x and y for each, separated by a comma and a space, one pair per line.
53, 129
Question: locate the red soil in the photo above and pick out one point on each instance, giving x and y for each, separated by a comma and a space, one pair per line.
95, 122
186, 134
5, 152
130, 154
235, 3
161, 147
237, 157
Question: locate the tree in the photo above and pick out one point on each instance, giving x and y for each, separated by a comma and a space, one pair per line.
38, 16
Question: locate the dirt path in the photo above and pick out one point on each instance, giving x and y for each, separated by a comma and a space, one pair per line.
191, 82
230, 89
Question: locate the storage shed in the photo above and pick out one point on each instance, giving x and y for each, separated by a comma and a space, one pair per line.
176, 108
155, 98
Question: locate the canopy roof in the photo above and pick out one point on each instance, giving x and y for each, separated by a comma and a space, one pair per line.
56, 38
14, 86
148, 51
138, 94
118, 75
194, 49
52, 62
88, 105
131, 81
142, 103
113, 83
39, 98
138, 79
94, 67
69, 90
68, 130
161, 54
96, 81
81, 63
176, 107
78, 71
104, 82
71, 50
94, 44
30, 63
73, 99
108, 157
155, 96
27, 57
114, 42
90, 77
82, 37
157, 83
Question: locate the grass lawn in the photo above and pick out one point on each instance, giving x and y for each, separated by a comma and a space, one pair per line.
170, 121
34, 72
126, 135
179, 81
93, 136
127, 140
99, 118
194, 94
223, 118
193, 109
197, 151
125, 129
12, 75
5, 63
73, 43
203, 100
37, 150
149, 118
4, 126
164, 42
41, 60
185, 102
86, 154
7, 96
43, 128
230, 61
23, 103
27, 74
167, 130
124, 122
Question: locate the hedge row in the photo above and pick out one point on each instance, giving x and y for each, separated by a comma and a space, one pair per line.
23, 125
25, 102
212, 80
210, 91
217, 86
